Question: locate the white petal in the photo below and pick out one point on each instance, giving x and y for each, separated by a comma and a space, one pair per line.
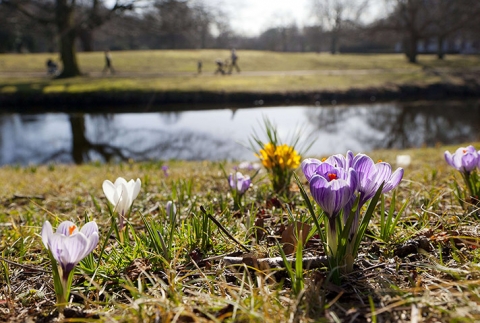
56, 247
109, 190
136, 189
76, 246
89, 228
92, 243
47, 232
119, 181
124, 203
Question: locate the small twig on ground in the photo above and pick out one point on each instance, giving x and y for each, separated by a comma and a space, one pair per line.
23, 266
219, 225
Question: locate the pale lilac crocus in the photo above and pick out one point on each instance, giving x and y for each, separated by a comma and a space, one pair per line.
465, 159
165, 170
121, 195
239, 182
67, 247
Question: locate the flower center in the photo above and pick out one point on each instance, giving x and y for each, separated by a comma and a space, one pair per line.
71, 229
332, 176
464, 151
324, 159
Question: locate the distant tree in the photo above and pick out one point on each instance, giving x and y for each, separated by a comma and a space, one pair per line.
449, 17
18, 33
175, 18
314, 38
411, 20
61, 13
416, 20
287, 38
333, 14
184, 23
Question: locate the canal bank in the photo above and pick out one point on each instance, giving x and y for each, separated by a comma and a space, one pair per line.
151, 101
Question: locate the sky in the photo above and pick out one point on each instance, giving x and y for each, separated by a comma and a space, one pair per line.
251, 17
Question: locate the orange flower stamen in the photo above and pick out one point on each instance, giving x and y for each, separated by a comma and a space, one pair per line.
71, 229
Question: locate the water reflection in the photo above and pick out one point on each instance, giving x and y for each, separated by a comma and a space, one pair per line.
216, 134
412, 124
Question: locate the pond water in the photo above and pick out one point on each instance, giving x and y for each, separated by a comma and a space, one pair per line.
224, 134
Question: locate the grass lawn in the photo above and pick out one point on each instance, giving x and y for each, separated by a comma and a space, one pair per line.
261, 71
427, 270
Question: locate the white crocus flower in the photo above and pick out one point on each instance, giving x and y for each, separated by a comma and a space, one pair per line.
171, 209
121, 195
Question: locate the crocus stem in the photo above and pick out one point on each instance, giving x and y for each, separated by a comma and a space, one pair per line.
466, 177
237, 201
332, 242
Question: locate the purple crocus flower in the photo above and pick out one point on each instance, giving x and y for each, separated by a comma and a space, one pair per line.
332, 188
69, 245
372, 175
165, 170
310, 165
239, 182
465, 159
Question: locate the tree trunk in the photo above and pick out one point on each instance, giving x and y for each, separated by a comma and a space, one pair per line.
284, 39
334, 43
411, 48
440, 51
64, 18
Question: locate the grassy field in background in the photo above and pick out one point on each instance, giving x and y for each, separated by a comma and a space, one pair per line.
437, 282
261, 71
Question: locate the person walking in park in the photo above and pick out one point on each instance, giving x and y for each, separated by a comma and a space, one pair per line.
220, 69
233, 58
108, 63
199, 67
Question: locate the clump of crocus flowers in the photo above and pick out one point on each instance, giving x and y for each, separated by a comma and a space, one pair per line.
279, 159
466, 160
342, 185
66, 248
121, 195
239, 184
